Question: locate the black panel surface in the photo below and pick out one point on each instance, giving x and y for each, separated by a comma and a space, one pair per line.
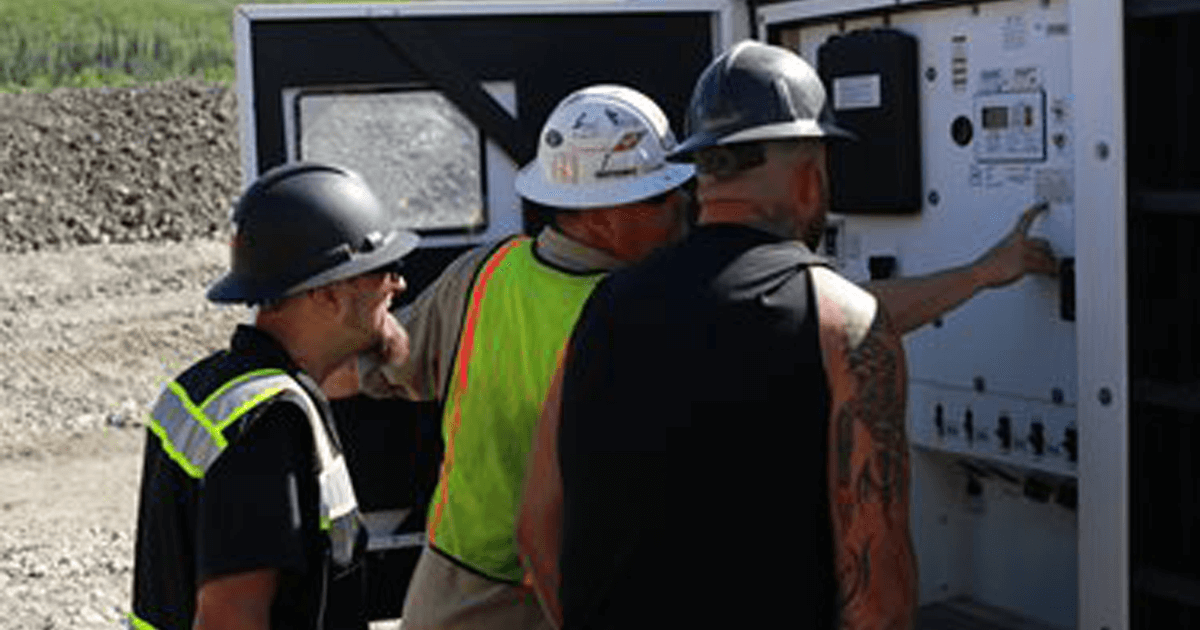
547, 56
881, 171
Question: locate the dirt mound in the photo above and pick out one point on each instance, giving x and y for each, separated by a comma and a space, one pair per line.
113, 219
147, 164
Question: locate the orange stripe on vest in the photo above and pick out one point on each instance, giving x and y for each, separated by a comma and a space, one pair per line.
462, 362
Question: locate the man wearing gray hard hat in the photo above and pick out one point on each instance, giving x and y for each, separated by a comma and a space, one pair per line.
731, 440
247, 515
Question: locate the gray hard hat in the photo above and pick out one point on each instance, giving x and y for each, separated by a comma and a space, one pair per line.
304, 225
752, 92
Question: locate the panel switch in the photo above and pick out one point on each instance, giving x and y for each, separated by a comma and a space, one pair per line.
1004, 432
1071, 444
1066, 289
1037, 438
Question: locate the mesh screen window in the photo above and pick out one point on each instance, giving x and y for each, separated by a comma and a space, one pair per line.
417, 151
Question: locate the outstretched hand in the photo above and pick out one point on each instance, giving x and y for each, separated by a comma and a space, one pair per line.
1017, 254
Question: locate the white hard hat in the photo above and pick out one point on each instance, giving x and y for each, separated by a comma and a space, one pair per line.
604, 145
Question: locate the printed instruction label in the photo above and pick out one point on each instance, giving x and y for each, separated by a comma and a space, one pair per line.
857, 92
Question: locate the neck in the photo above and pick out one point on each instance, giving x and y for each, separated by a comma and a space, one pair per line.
742, 212
307, 345
594, 229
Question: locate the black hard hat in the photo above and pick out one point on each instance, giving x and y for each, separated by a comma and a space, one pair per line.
753, 92
304, 225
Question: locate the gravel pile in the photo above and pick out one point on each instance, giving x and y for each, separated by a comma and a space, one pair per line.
149, 164
113, 219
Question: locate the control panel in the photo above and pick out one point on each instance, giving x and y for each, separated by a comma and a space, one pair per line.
995, 137
993, 383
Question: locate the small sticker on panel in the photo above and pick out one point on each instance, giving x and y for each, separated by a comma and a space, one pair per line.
1028, 78
1060, 29
1055, 185
1014, 32
857, 92
991, 80
1017, 174
959, 64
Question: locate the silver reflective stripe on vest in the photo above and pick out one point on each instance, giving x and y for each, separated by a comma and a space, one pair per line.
192, 436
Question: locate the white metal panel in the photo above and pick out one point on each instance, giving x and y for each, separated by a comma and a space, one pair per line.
439, 9
999, 546
1013, 338
809, 9
244, 74
1102, 302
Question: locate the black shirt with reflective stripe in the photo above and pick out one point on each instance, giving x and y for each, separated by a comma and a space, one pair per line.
693, 443
255, 508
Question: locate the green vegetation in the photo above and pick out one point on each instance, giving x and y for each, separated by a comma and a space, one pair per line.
84, 43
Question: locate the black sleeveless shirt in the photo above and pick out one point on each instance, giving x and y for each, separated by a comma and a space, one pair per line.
694, 443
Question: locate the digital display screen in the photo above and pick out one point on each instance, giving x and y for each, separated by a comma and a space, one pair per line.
995, 117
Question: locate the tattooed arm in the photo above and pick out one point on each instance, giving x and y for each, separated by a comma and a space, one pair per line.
868, 458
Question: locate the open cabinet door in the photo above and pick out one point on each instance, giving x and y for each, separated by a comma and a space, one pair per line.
437, 106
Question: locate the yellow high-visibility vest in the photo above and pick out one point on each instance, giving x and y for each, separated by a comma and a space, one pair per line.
519, 316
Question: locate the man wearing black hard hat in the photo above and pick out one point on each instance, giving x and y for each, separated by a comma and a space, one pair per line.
247, 517
731, 439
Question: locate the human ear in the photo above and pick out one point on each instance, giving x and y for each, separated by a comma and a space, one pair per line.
330, 299
806, 183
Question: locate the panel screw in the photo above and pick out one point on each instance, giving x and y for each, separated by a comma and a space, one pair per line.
1102, 150
1105, 396
934, 197
937, 322
980, 385
931, 74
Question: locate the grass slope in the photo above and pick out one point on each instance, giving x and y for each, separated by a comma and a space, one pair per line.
86, 43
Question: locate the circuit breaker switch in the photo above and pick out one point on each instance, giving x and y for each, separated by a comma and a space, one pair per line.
939, 421
1004, 432
1037, 437
1071, 444
969, 426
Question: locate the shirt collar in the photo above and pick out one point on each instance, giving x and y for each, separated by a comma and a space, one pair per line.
562, 251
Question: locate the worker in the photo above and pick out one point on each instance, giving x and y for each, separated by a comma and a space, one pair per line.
486, 337
706, 394
247, 517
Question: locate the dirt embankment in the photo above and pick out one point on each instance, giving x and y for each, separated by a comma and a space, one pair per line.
113, 218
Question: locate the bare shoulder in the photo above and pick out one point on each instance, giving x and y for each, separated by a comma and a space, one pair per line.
845, 310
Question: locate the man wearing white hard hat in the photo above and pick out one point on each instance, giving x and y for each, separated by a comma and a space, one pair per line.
486, 337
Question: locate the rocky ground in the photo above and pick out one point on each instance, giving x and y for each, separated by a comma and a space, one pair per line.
113, 218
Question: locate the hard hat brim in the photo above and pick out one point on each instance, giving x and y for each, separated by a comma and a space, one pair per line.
795, 129
533, 185
233, 289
